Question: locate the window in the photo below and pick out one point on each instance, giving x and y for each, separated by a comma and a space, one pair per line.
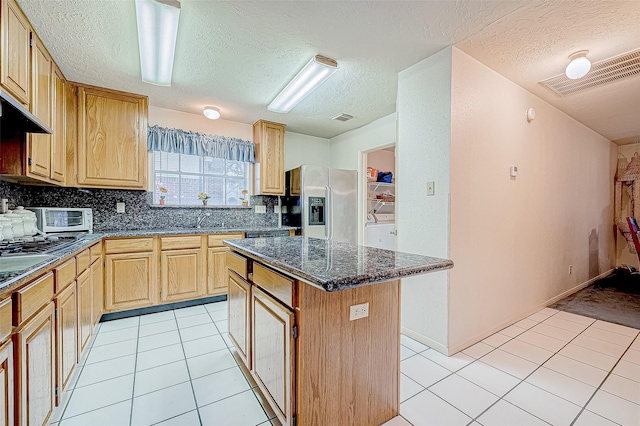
185, 176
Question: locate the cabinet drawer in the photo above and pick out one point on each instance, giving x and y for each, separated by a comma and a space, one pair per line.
173, 243
277, 285
128, 245
83, 260
216, 240
5, 319
96, 252
238, 264
65, 274
28, 300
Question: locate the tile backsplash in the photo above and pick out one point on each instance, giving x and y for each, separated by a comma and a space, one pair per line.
140, 214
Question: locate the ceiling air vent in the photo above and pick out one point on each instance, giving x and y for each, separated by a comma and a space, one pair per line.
603, 72
342, 117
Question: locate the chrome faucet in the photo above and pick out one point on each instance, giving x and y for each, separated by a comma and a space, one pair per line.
201, 219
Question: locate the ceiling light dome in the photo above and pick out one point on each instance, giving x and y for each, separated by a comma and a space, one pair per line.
579, 65
212, 113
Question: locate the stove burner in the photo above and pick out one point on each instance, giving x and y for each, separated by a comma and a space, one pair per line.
38, 244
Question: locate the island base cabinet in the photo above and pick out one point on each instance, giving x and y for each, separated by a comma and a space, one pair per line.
239, 305
6, 387
272, 353
34, 358
348, 371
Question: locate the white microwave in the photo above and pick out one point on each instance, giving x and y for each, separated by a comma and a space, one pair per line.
61, 219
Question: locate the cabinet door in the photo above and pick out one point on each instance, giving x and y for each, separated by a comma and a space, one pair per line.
273, 352
112, 144
39, 163
58, 125
66, 336
217, 276
6, 386
269, 139
130, 281
97, 282
15, 66
85, 309
182, 275
35, 347
239, 299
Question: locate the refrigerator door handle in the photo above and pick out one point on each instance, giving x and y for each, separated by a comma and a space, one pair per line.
328, 209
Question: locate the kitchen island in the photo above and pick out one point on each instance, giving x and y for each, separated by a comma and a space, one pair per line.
317, 323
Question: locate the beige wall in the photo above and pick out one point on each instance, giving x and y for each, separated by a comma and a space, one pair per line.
512, 240
301, 149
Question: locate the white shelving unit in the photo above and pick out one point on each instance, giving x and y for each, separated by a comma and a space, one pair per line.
377, 205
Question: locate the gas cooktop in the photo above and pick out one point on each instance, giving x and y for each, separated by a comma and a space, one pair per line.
36, 244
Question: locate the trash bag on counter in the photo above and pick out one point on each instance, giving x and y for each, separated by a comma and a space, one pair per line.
386, 177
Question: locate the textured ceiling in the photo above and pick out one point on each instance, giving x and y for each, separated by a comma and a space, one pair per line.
237, 55
534, 43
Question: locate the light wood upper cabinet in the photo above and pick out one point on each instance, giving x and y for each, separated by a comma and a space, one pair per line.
112, 139
35, 349
130, 280
6, 384
272, 352
59, 126
66, 304
39, 150
239, 300
15, 59
269, 167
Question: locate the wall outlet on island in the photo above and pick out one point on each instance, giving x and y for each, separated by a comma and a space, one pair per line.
120, 208
261, 209
359, 311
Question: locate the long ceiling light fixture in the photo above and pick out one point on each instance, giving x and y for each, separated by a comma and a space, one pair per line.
312, 75
157, 33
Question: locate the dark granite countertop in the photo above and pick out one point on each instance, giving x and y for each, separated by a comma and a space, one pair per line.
333, 266
9, 281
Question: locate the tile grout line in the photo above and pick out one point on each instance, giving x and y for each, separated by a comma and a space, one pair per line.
193, 391
135, 370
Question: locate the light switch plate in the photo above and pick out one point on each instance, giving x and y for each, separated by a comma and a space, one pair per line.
120, 208
261, 209
431, 188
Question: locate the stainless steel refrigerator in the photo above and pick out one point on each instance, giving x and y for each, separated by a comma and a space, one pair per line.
323, 202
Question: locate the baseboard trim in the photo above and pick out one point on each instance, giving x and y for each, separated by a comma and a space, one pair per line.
424, 340
161, 308
474, 340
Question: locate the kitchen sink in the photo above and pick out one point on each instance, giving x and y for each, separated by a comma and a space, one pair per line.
20, 262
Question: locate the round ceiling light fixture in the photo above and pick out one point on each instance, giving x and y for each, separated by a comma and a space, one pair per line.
579, 65
212, 113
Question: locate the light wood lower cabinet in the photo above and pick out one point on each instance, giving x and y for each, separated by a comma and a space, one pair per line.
182, 275
97, 284
85, 308
130, 280
34, 355
217, 271
66, 304
239, 300
272, 352
6, 384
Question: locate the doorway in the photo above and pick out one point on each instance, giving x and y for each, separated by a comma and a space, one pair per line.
379, 167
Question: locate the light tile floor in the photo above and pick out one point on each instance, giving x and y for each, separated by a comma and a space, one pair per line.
177, 368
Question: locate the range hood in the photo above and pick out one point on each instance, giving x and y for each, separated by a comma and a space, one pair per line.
16, 117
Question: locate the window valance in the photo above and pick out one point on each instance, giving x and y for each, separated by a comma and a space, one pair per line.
200, 144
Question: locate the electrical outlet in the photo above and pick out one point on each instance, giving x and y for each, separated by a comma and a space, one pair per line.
359, 311
120, 208
570, 269
276, 209
431, 188
261, 209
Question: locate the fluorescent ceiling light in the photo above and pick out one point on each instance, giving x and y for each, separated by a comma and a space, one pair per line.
312, 75
212, 113
157, 32
579, 65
